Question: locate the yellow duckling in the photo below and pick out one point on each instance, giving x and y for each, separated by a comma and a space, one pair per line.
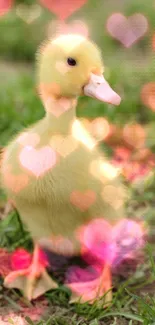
52, 171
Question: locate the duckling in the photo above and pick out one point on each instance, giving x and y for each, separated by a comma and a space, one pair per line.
56, 177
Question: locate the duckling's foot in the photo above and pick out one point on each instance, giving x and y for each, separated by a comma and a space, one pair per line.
92, 290
32, 281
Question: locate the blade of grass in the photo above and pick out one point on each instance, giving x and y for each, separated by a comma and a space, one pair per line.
149, 249
149, 309
126, 315
13, 303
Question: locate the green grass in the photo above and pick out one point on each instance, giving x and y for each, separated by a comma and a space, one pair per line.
127, 70
127, 307
133, 300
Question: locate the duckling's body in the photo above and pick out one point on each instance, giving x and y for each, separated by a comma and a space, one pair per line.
45, 204
58, 187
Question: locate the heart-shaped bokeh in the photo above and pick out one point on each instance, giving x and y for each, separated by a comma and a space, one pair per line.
83, 200
98, 127
64, 145
15, 182
127, 30
115, 196
53, 106
37, 161
103, 170
63, 8
60, 27
109, 243
5, 6
28, 13
148, 95
134, 135
153, 42
29, 139
80, 133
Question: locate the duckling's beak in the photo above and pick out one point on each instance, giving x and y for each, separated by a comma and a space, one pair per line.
99, 88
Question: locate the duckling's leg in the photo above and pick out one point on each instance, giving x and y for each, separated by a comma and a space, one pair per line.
94, 289
34, 280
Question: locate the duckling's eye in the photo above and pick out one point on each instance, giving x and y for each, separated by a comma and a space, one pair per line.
71, 62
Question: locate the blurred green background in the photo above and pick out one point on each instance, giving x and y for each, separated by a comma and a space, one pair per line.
127, 69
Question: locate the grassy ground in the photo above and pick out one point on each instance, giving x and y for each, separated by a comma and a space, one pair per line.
128, 70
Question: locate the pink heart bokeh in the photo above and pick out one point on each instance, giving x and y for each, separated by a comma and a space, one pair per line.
103, 243
5, 6
37, 161
57, 107
15, 182
83, 200
63, 8
127, 30
60, 27
29, 139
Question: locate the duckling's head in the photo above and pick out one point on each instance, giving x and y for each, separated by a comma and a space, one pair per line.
70, 66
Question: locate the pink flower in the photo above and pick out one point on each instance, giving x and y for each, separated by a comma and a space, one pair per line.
121, 155
135, 170
132, 169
